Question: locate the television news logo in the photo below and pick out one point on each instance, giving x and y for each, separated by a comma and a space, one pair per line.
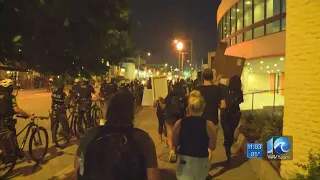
279, 148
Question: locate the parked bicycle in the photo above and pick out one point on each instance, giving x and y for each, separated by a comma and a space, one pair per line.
35, 139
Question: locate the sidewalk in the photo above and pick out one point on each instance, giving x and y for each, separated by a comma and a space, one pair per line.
146, 119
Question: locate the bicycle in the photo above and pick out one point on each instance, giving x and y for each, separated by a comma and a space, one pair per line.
59, 137
79, 119
96, 114
18, 152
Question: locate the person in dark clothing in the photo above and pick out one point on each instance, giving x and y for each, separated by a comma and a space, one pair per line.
198, 81
175, 107
212, 96
149, 84
194, 135
230, 116
58, 104
9, 107
161, 119
84, 92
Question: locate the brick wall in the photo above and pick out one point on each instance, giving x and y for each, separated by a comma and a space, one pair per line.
302, 99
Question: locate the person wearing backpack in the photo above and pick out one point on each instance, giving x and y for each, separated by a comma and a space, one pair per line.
230, 116
117, 150
175, 107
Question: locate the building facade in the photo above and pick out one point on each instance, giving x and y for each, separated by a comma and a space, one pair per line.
255, 30
302, 100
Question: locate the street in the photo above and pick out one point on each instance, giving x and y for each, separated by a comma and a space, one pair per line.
38, 102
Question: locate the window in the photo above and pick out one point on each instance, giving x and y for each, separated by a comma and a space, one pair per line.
273, 8
233, 19
247, 13
239, 20
233, 41
248, 35
240, 38
273, 27
227, 23
283, 24
240, 15
258, 10
283, 6
224, 33
258, 32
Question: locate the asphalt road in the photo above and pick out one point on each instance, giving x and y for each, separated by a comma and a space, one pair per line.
38, 102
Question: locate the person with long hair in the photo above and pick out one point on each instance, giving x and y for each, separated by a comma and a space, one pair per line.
175, 108
120, 123
192, 136
230, 116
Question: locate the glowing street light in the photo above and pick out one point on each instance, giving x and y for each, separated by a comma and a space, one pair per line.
166, 64
175, 41
179, 46
149, 53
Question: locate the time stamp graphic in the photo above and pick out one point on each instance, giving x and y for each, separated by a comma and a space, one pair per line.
276, 148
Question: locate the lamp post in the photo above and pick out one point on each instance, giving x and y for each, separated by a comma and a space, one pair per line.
176, 41
179, 47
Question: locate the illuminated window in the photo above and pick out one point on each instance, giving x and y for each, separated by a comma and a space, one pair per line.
258, 10
233, 19
227, 23
283, 24
273, 8
273, 27
247, 13
239, 20
258, 32
283, 5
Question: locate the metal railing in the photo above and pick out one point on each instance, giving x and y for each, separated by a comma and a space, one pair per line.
263, 100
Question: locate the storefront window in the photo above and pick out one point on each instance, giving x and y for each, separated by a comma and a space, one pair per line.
273, 8
258, 10
247, 13
273, 27
283, 6
233, 19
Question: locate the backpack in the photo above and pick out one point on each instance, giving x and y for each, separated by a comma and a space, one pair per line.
113, 154
177, 106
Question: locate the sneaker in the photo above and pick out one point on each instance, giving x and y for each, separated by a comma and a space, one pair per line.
172, 157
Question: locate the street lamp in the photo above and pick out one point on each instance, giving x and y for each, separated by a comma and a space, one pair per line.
166, 64
175, 41
179, 46
149, 53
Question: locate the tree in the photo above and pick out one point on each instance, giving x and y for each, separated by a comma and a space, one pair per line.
56, 36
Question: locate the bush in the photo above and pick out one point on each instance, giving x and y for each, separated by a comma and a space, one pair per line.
312, 168
259, 125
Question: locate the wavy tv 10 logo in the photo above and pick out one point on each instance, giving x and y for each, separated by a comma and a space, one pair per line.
279, 147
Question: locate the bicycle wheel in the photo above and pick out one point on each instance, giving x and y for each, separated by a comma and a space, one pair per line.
97, 115
60, 136
102, 103
6, 166
80, 126
38, 153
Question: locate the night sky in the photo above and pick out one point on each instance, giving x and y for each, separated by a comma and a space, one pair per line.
155, 23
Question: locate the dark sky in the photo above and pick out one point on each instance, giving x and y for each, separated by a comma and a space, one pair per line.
155, 23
